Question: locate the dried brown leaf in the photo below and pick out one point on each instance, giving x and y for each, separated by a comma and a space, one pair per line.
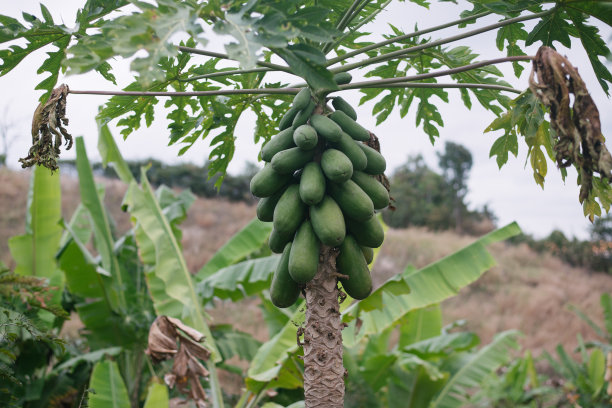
555, 82
48, 131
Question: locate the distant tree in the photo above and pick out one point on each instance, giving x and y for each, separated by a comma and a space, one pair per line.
601, 229
422, 197
456, 163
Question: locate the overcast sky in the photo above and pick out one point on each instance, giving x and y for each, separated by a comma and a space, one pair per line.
510, 192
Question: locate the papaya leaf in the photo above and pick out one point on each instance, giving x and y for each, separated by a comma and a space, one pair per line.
309, 63
594, 46
552, 27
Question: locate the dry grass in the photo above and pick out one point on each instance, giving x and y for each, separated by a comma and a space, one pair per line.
526, 291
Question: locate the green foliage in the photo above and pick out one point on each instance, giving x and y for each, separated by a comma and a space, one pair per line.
426, 198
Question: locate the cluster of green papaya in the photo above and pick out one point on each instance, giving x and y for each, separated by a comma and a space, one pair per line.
318, 187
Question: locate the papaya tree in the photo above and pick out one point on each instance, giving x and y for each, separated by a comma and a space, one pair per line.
324, 177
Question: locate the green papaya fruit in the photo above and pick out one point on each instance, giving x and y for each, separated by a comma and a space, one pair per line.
326, 127
288, 161
277, 241
312, 184
304, 257
342, 105
351, 149
354, 129
368, 233
305, 137
302, 99
279, 142
353, 201
266, 205
376, 191
284, 292
289, 211
287, 119
351, 262
328, 222
376, 162
336, 166
343, 78
368, 254
302, 117
267, 181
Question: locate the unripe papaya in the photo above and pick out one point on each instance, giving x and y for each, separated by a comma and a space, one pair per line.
304, 258
287, 119
266, 205
343, 78
289, 211
376, 162
354, 129
342, 105
288, 161
267, 182
305, 137
367, 233
326, 127
283, 290
368, 254
350, 147
279, 142
302, 99
372, 187
328, 222
278, 240
302, 117
336, 166
351, 262
312, 184
353, 201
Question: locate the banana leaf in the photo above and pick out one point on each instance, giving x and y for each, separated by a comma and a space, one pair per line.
34, 252
157, 395
473, 372
106, 387
111, 155
170, 284
243, 243
412, 290
238, 281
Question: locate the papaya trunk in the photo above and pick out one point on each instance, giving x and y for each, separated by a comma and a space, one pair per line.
323, 368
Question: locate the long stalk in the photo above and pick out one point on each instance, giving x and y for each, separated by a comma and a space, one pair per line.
257, 91
404, 37
405, 51
215, 386
225, 73
387, 81
271, 66
441, 85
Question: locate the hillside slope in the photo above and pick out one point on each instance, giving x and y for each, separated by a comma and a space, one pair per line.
526, 291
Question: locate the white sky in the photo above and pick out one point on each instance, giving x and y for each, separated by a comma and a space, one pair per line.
510, 192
